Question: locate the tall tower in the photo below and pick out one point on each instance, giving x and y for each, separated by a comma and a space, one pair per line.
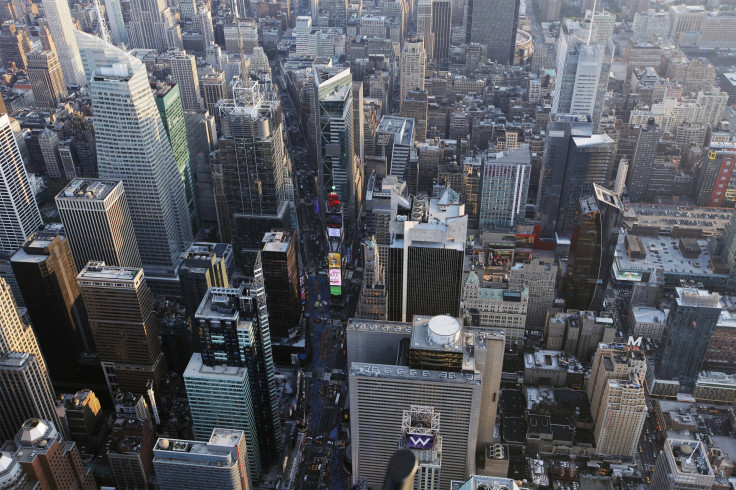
118, 29
44, 269
25, 391
617, 403
169, 103
59, 22
690, 326
415, 105
441, 28
152, 26
420, 433
138, 152
574, 159
18, 207
252, 170
505, 187
412, 66
424, 26
97, 222
493, 23
643, 162
15, 334
184, 73
120, 309
46, 77
281, 279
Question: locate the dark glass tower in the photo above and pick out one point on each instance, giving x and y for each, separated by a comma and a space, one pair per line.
281, 278
493, 23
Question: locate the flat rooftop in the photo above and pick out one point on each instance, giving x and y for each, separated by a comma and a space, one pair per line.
645, 314
88, 189
401, 127
197, 369
709, 221
98, 270
220, 303
276, 241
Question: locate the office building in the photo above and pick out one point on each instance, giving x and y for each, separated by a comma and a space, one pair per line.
426, 258
414, 105
97, 223
373, 301
412, 65
505, 187
16, 335
427, 374
713, 187
681, 464
337, 11
493, 24
497, 308
81, 417
138, 154
690, 326
214, 87
152, 26
420, 433
184, 73
218, 463
251, 171
205, 265
130, 445
169, 103
617, 399
574, 159
60, 24
46, 77
220, 395
48, 142
234, 333
14, 44
541, 279
120, 310
25, 391
18, 207
47, 458
441, 28
45, 272
582, 78
12, 474
424, 26
280, 263
118, 29
330, 136
395, 145
640, 169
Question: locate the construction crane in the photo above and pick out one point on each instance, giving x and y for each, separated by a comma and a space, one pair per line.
101, 24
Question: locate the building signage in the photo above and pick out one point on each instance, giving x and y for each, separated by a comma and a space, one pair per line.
420, 441
335, 277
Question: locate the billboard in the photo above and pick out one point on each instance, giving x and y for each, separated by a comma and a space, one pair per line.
333, 261
499, 257
333, 200
335, 290
420, 441
335, 277
334, 232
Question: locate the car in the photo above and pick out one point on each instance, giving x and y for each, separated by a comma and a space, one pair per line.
640, 449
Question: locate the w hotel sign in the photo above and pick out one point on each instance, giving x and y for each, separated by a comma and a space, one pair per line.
420, 441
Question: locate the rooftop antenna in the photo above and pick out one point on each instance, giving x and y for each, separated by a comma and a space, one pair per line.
240, 41
592, 19
102, 25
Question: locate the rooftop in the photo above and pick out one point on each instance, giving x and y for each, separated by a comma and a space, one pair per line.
99, 271
222, 303
709, 221
401, 127
276, 241
690, 457
197, 369
645, 314
221, 450
88, 189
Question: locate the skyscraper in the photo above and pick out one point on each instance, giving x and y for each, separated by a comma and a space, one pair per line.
331, 121
412, 66
60, 23
690, 326
250, 188
504, 187
218, 463
424, 26
415, 106
15, 334
574, 159
47, 458
441, 28
46, 77
428, 374
683, 463
493, 23
640, 169
137, 151
184, 73
395, 144
425, 259
97, 222
152, 26
205, 265
420, 433
169, 103
25, 391
45, 271
373, 301
120, 309
617, 400
235, 333
281, 279
337, 10
582, 77
118, 29
17, 204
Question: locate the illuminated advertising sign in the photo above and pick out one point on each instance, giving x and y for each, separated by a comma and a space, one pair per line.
335, 290
333, 232
499, 257
333, 261
420, 441
333, 200
335, 277
628, 276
